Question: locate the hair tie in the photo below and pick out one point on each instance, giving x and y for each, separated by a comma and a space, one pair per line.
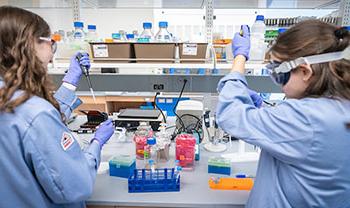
341, 32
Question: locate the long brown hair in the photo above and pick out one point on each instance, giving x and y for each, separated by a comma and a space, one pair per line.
315, 37
20, 68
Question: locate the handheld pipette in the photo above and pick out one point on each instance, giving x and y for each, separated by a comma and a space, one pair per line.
87, 75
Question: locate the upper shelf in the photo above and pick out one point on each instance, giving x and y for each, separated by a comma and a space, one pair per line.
179, 4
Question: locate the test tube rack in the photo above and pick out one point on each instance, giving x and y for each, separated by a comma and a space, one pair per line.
158, 180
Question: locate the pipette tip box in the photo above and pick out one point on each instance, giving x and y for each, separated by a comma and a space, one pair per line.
122, 166
219, 165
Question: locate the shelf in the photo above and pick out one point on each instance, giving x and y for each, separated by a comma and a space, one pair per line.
181, 4
165, 83
249, 65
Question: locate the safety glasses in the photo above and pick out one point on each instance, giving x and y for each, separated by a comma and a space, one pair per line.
52, 41
280, 71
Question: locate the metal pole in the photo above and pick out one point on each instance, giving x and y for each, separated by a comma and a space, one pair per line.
344, 12
76, 10
209, 19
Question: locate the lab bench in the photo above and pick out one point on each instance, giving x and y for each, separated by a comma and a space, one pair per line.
112, 191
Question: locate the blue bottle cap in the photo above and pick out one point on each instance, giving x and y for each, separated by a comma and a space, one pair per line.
151, 141
147, 25
78, 24
172, 71
260, 18
130, 36
91, 27
163, 24
281, 30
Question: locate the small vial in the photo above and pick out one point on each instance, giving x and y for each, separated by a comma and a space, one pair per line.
152, 169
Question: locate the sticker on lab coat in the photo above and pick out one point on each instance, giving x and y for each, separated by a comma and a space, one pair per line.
189, 49
66, 140
100, 51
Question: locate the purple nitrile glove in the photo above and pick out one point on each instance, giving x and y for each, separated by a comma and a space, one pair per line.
257, 100
104, 132
241, 42
74, 72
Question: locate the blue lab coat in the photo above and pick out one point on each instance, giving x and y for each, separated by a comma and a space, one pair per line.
305, 157
41, 164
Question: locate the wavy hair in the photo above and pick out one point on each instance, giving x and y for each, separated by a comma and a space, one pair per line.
20, 68
315, 37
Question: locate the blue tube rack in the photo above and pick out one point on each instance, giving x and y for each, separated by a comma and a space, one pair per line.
160, 180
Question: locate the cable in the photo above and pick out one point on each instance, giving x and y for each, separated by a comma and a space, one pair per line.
268, 103
177, 102
155, 104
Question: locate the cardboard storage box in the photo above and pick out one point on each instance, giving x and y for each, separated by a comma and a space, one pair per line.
154, 52
112, 52
193, 52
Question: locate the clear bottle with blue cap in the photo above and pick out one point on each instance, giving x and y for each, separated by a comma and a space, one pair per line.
257, 39
147, 34
163, 35
91, 35
150, 151
78, 31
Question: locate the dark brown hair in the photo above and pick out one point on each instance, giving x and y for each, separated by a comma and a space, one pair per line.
20, 68
315, 37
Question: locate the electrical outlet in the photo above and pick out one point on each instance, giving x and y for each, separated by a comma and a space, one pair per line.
158, 86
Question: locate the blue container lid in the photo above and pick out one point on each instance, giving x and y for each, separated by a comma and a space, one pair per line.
281, 30
78, 24
163, 24
116, 35
91, 27
260, 18
347, 27
130, 36
151, 141
147, 25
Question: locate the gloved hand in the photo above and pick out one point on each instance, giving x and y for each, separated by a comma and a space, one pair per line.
257, 100
104, 132
74, 72
241, 43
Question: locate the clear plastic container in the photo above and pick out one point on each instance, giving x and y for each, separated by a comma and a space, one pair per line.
185, 150
147, 33
123, 35
163, 35
141, 135
163, 144
140, 139
257, 39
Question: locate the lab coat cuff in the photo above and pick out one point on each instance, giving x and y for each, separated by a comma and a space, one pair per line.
233, 76
95, 150
67, 97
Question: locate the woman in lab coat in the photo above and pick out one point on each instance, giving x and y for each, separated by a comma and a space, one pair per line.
305, 140
41, 163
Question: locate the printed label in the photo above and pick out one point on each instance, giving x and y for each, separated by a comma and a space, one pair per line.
189, 49
66, 140
100, 51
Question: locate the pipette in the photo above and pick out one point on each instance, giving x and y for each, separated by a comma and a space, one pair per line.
87, 75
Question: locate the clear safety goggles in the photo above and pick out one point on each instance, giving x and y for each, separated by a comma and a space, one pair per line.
280, 71
52, 41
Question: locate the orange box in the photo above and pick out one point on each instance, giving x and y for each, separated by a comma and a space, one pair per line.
231, 184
